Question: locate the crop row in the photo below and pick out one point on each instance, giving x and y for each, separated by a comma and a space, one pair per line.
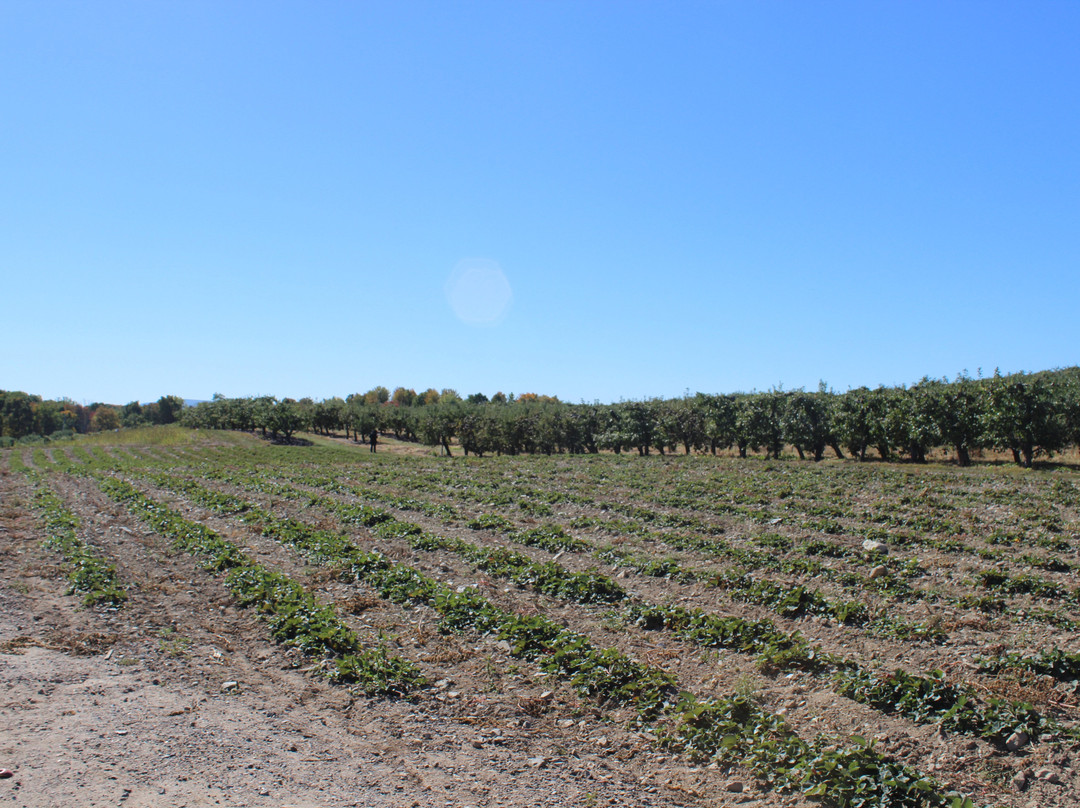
294, 615
88, 573
548, 578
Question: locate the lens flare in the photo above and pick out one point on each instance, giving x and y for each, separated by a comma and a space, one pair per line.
478, 292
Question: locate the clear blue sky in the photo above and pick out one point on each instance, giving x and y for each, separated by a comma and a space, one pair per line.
595, 200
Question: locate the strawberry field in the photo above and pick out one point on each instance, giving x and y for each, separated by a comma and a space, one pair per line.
603, 629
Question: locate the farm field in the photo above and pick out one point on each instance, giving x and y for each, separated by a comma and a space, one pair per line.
213, 620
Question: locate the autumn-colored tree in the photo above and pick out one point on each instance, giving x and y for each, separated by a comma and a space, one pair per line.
105, 418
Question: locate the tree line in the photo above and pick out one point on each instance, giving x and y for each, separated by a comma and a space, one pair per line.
1030, 415
27, 418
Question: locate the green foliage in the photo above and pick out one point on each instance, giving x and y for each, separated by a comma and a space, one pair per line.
737, 731
1055, 662
550, 537
490, 521
933, 699
90, 575
294, 616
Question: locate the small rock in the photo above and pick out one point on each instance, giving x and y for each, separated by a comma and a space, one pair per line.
1020, 781
878, 572
443, 684
5, 773
565, 723
537, 762
1049, 776
872, 546
1018, 740
230, 687
734, 786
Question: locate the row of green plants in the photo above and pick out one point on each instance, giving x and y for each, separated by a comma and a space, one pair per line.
929, 698
1055, 662
548, 578
934, 699
294, 615
804, 491
735, 730
89, 575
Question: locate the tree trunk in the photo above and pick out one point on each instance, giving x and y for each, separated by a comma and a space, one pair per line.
1029, 453
802, 455
836, 448
1016, 456
963, 457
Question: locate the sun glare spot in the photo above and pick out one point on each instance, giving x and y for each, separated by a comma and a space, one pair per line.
478, 292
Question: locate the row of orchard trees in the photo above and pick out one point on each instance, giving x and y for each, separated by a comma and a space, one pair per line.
26, 416
1031, 415
407, 414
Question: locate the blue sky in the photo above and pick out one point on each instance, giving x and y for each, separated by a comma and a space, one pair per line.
594, 200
